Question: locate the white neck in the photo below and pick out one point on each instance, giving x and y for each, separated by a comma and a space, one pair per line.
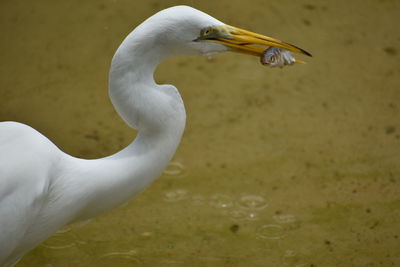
157, 111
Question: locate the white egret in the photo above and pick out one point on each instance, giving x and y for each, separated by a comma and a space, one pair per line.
42, 188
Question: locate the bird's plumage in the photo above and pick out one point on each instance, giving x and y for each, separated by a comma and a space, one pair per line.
42, 188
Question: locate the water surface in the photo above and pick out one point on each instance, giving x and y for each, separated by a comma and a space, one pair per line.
277, 167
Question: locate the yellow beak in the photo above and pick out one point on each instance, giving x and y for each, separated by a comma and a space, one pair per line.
246, 42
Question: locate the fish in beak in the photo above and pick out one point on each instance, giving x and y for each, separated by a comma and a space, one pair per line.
246, 42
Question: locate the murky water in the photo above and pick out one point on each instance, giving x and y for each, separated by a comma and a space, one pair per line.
278, 167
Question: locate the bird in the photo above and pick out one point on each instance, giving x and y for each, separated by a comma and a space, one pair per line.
42, 188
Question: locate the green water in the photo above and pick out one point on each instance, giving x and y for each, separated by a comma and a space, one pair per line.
278, 167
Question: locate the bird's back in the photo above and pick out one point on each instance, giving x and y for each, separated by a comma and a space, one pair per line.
26, 161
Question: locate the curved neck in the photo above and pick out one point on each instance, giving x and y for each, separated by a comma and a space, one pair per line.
157, 111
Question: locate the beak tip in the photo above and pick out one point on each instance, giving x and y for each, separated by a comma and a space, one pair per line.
306, 53
303, 51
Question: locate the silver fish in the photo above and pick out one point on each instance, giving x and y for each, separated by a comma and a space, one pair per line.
277, 57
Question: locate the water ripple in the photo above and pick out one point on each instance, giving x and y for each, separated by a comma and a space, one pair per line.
60, 240
240, 214
174, 168
221, 201
285, 218
270, 231
128, 256
64, 238
289, 253
175, 195
253, 202
198, 200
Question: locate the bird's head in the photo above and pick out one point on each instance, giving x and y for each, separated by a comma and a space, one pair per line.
188, 31
175, 31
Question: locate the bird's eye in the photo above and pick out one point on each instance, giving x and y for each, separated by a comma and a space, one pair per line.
205, 32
